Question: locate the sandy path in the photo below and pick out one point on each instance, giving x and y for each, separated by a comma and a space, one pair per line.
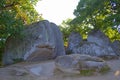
46, 71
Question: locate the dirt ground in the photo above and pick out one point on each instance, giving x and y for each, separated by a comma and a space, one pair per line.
46, 71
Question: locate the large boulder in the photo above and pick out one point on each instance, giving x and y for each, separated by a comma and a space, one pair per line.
99, 38
74, 40
97, 44
75, 63
41, 41
116, 47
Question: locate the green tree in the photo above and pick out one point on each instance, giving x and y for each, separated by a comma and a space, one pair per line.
67, 28
97, 14
14, 14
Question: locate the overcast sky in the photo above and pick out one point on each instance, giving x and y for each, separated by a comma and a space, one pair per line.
56, 10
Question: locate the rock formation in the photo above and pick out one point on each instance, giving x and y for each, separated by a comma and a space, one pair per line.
40, 41
73, 41
116, 47
76, 62
99, 38
97, 44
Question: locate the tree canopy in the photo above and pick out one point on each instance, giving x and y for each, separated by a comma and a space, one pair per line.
97, 13
15, 13
94, 14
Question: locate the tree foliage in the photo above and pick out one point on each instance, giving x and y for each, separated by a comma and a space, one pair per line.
94, 14
67, 28
97, 13
15, 13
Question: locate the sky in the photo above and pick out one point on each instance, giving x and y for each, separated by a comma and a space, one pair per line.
56, 10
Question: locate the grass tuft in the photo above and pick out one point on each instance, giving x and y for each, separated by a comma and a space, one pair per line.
87, 72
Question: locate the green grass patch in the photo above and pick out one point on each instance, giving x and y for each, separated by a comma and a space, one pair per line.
104, 70
87, 72
90, 72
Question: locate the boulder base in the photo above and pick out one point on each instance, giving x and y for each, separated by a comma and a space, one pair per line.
75, 63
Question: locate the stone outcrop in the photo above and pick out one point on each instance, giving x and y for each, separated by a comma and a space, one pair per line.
40, 41
75, 63
116, 47
90, 48
73, 41
99, 38
97, 44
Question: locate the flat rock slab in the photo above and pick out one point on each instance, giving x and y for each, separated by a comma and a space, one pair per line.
74, 63
49, 73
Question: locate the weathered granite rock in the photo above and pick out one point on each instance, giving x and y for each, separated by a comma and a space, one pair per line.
116, 47
92, 49
97, 44
73, 41
41, 41
101, 40
75, 63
